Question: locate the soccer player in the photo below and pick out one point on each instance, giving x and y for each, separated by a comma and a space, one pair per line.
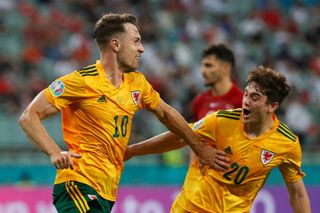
97, 104
216, 68
254, 140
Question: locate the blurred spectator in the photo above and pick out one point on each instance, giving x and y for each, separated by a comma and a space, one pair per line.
9, 91
271, 14
298, 118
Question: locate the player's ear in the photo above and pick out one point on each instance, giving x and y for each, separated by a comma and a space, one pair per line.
227, 67
115, 44
273, 107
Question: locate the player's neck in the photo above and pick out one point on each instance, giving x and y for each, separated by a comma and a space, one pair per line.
254, 130
221, 88
111, 69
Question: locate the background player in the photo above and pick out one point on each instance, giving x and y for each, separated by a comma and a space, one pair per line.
217, 65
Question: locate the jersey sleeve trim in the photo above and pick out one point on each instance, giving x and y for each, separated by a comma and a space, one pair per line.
235, 114
285, 131
88, 71
299, 177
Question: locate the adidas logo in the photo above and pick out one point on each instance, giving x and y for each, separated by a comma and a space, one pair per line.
102, 98
228, 150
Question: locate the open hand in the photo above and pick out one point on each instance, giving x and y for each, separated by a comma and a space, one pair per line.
213, 158
63, 159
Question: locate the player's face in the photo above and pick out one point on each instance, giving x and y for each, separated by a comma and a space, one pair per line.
254, 104
130, 49
212, 70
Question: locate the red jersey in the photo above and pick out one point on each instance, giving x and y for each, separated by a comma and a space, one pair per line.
205, 103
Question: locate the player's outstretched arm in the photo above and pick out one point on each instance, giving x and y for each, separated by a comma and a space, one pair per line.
177, 124
158, 144
30, 121
299, 198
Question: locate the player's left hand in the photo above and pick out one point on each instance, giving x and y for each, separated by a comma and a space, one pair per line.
214, 158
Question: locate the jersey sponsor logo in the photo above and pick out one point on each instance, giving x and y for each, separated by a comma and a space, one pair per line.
102, 98
198, 124
266, 156
136, 96
92, 197
57, 88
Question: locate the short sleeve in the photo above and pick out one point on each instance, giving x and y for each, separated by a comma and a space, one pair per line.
291, 167
205, 127
150, 97
65, 90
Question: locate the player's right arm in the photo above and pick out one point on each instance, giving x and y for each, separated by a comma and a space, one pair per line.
169, 141
166, 142
30, 121
292, 174
173, 120
158, 144
299, 198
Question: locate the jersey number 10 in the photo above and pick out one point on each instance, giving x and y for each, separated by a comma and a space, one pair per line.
122, 128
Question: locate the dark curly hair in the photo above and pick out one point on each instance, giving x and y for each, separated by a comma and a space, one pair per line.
270, 82
110, 24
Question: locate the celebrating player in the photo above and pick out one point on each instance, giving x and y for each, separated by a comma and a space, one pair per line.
97, 104
254, 140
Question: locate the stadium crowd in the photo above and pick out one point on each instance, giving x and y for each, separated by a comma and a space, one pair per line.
44, 39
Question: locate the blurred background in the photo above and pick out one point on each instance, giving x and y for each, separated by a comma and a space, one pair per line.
44, 39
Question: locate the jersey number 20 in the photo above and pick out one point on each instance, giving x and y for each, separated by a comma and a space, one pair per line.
242, 173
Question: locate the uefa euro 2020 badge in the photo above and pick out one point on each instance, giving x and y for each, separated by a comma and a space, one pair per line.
57, 88
198, 124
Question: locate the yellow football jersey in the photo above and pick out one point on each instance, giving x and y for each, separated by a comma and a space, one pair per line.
96, 123
251, 162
